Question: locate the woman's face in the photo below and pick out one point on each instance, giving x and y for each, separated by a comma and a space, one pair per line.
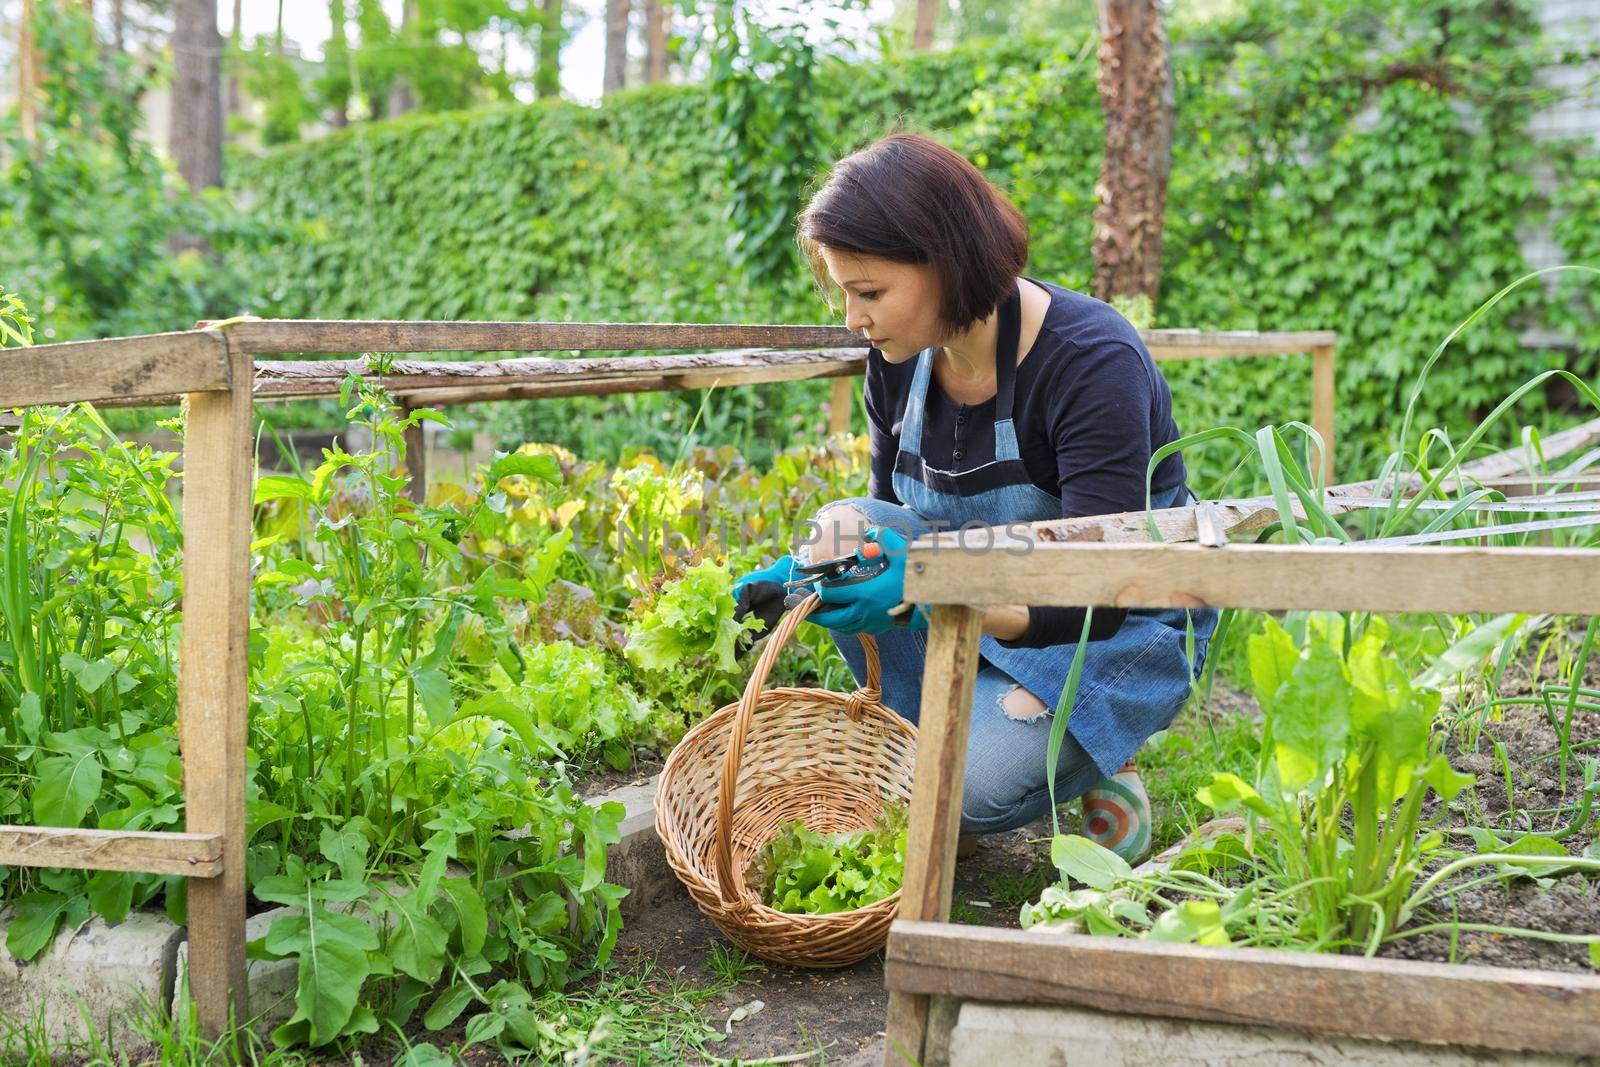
894, 305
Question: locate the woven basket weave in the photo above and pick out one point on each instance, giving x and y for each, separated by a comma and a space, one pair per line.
832, 760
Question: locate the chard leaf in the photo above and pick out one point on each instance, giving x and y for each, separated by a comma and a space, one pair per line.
1272, 658
1228, 792
1310, 719
1082, 860
1445, 779
1470, 651
1531, 845
1193, 921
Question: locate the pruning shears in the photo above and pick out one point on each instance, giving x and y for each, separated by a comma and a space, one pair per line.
864, 564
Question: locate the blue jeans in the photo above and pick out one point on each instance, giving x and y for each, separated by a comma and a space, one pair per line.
1133, 684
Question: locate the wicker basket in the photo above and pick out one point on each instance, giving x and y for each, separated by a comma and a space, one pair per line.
830, 759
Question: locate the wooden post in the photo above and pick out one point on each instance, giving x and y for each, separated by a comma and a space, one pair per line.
482, 453
930, 868
841, 401
416, 440
1322, 402
213, 699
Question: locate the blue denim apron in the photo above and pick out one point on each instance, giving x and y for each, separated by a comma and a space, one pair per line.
1134, 682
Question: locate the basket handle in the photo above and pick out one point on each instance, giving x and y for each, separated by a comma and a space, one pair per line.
729, 881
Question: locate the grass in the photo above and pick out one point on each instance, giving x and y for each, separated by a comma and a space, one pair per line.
1011, 891
1176, 763
638, 1016
730, 964
964, 914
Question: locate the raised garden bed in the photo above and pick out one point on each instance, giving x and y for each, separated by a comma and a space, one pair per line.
955, 990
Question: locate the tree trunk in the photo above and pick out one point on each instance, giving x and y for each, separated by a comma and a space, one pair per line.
547, 77
337, 52
237, 38
196, 143
655, 25
617, 12
1136, 97
927, 18
119, 25
401, 99
27, 75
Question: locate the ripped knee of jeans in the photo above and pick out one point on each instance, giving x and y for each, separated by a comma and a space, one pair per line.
1021, 705
835, 530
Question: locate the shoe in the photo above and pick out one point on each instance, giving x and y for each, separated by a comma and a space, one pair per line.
1116, 815
966, 845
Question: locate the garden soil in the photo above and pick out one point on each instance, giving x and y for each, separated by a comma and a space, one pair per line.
838, 1014
1570, 904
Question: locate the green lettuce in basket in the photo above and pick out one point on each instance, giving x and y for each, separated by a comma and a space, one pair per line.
814, 873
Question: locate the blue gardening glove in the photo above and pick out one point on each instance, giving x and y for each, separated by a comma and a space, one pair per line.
865, 607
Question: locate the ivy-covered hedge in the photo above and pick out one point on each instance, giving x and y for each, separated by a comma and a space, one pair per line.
1359, 165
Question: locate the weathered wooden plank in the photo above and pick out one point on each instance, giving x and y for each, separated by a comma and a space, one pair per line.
416, 442
479, 380
1253, 514
306, 336
951, 667
1322, 404
1203, 344
1390, 1000
1512, 462
1235, 517
841, 404
313, 336
617, 384
462, 382
1264, 577
142, 851
116, 367
213, 700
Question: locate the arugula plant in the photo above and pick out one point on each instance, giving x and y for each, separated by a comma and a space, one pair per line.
408, 708
90, 578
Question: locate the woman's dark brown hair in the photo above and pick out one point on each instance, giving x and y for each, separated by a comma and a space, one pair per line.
909, 199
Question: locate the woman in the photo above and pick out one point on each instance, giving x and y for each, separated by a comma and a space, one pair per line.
993, 399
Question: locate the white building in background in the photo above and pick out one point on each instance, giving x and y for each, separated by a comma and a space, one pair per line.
1572, 24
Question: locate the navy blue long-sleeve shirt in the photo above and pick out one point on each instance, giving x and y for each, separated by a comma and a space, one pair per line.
1091, 408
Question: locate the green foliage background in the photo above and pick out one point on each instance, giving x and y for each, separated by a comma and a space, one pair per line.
1374, 185
1356, 165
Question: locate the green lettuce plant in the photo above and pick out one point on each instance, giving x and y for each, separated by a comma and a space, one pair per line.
692, 618
816, 873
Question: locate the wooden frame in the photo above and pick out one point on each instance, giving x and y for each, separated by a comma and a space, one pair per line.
1349, 996
206, 368
777, 353
213, 699
1334, 995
